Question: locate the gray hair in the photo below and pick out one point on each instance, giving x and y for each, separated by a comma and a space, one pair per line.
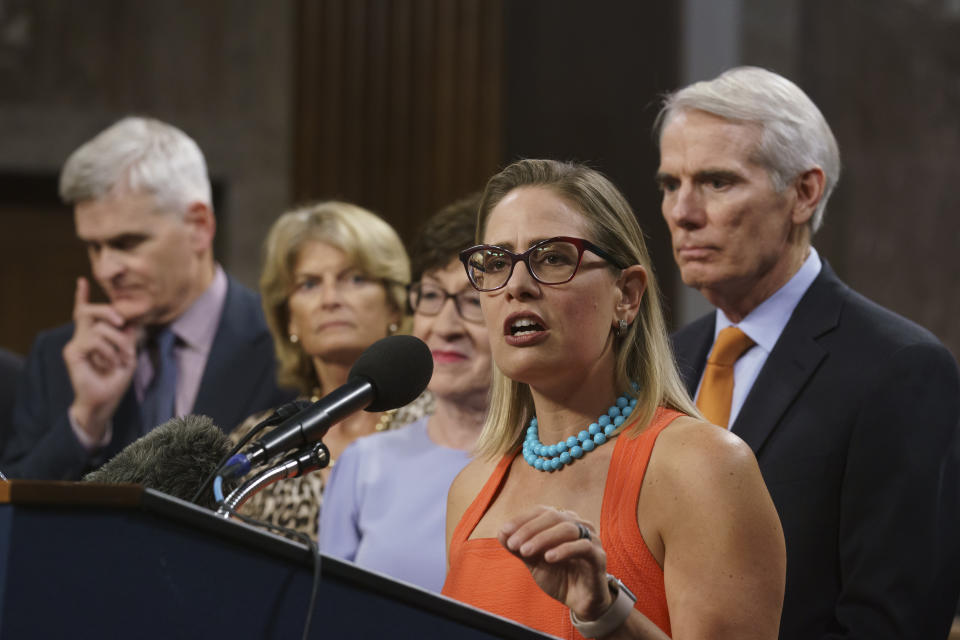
795, 136
143, 155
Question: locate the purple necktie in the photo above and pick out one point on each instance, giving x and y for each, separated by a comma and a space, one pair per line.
160, 395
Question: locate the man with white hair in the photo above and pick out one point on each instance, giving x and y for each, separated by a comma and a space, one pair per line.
852, 410
177, 334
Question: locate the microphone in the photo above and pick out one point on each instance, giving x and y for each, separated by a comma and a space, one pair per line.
174, 458
392, 372
279, 415
309, 458
285, 411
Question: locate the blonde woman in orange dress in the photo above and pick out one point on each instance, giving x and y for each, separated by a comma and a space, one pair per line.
600, 504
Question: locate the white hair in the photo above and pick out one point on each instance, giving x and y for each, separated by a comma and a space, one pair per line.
795, 136
143, 155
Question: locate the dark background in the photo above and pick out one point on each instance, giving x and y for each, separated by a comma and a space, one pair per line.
405, 105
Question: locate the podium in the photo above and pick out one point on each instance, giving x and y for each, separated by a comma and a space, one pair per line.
120, 561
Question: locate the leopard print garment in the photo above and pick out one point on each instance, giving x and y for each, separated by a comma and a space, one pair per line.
294, 503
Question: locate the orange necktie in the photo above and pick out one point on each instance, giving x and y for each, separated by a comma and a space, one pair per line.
716, 390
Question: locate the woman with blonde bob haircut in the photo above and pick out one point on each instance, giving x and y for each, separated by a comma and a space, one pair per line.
644, 522
372, 247
334, 282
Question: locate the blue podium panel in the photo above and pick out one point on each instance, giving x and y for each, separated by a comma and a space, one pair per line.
89, 561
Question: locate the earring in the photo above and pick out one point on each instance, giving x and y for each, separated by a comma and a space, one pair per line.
294, 338
622, 327
392, 328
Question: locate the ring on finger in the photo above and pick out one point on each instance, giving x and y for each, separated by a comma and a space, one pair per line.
583, 532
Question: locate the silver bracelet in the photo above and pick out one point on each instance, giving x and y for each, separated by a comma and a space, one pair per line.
616, 615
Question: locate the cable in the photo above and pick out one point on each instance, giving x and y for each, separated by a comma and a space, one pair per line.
274, 418
218, 489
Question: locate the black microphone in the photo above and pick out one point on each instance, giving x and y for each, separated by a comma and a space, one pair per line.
280, 414
391, 373
285, 411
174, 458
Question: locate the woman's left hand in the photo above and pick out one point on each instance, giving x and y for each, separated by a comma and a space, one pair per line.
564, 556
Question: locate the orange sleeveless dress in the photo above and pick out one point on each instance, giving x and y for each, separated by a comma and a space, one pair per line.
485, 575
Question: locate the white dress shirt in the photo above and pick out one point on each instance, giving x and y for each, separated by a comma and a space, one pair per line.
764, 325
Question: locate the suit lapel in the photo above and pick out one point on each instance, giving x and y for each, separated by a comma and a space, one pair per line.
127, 422
691, 346
225, 367
795, 357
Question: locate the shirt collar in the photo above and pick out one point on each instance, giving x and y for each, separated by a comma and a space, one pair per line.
765, 323
197, 326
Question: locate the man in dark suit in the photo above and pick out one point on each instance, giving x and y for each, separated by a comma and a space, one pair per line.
176, 336
852, 410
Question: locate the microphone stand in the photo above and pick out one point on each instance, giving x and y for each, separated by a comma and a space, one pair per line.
311, 458
307, 459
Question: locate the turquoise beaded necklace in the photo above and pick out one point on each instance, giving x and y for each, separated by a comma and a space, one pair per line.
553, 457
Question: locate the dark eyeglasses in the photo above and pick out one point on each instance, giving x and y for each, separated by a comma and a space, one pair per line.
428, 299
550, 261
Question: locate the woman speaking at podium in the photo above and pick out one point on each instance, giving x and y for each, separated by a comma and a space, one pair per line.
600, 504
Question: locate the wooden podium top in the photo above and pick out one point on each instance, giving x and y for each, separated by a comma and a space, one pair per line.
70, 493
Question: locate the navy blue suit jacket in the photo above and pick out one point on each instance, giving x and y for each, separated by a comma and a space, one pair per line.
853, 419
239, 380
11, 365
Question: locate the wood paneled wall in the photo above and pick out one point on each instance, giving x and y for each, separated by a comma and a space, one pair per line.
582, 81
40, 258
887, 78
398, 104
218, 69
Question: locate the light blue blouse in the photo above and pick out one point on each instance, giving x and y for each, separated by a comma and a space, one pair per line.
385, 505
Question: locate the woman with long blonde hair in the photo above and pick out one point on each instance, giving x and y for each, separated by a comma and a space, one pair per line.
601, 504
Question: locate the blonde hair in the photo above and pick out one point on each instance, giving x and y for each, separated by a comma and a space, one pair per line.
643, 355
370, 243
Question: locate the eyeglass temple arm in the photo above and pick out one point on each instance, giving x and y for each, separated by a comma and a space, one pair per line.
603, 254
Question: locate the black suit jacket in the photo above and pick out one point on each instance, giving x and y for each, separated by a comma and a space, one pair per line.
239, 380
11, 365
853, 419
